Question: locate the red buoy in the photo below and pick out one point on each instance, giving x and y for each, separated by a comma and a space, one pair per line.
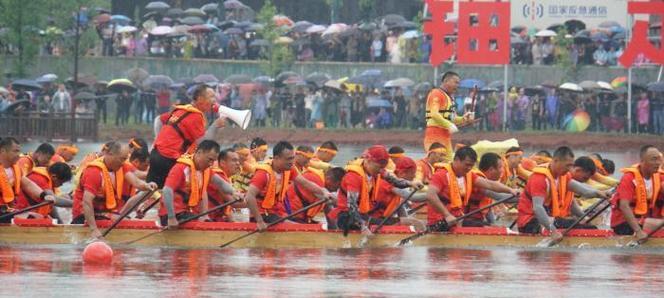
98, 252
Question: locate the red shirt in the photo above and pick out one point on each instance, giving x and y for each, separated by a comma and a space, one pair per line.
626, 191
260, 181
216, 198
127, 187
164, 99
536, 186
294, 198
352, 182
179, 183
440, 180
41, 181
91, 180
169, 143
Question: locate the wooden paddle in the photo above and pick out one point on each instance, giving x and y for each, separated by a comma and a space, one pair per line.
412, 211
186, 220
127, 212
384, 221
319, 202
24, 210
442, 221
548, 242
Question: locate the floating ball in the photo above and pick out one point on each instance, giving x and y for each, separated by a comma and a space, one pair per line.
98, 252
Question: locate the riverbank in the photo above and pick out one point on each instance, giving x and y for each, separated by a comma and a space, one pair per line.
541, 139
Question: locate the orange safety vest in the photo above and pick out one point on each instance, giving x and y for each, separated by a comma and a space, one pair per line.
9, 194
195, 192
313, 211
365, 198
111, 195
42, 171
27, 163
271, 196
455, 192
447, 108
222, 174
426, 169
560, 198
174, 121
641, 207
485, 201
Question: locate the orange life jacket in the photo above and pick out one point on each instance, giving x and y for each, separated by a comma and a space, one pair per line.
426, 169
112, 195
271, 196
27, 163
174, 121
222, 174
641, 207
446, 108
196, 192
454, 192
365, 197
42, 171
559, 198
9, 193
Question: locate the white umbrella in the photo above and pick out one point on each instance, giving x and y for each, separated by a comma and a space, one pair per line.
589, 85
400, 82
335, 28
571, 87
333, 84
605, 85
316, 29
546, 33
161, 30
127, 29
410, 34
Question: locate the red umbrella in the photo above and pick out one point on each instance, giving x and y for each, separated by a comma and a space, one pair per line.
199, 29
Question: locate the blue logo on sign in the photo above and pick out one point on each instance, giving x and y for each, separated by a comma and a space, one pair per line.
533, 11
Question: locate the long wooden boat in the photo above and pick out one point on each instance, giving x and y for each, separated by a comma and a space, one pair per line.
209, 235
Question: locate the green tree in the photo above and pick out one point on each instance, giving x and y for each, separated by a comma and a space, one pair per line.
280, 56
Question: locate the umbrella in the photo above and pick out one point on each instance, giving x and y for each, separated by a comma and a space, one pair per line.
210, 8
599, 36
119, 85
619, 36
316, 29
175, 12
136, 75
85, 96
192, 20
263, 80
577, 121
424, 86
368, 26
335, 28
233, 4
406, 25
84, 80
150, 14
318, 79
281, 20
574, 25
471, 83
393, 19
609, 24
194, 12
29, 85
284, 75
254, 27
157, 6
378, 103
238, 79
301, 26
120, 19
47, 78
571, 87
283, 40
545, 33
519, 29
532, 91
400, 82
204, 28
410, 34
205, 78
555, 27
656, 87
334, 84
157, 82
234, 30
604, 85
294, 81
161, 30
619, 82
127, 29
259, 43
103, 18
589, 85
18, 106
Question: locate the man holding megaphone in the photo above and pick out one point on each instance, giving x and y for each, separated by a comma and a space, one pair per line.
179, 132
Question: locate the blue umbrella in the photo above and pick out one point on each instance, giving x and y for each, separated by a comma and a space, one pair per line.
471, 83
120, 19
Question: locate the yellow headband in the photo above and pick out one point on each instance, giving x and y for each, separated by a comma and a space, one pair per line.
514, 153
305, 154
261, 147
331, 151
441, 150
396, 155
71, 149
135, 144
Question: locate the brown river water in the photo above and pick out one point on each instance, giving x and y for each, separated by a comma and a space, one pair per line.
58, 271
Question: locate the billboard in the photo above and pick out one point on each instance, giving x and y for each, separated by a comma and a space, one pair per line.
543, 13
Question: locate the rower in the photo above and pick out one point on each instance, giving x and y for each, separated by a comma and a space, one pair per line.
298, 197
491, 167
303, 154
258, 149
248, 167
324, 156
541, 157
135, 171
137, 144
637, 203
549, 192
179, 131
99, 192
583, 169
48, 179
228, 164
451, 188
390, 197
12, 180
425, 166
41, 157
395, 152
359, 188
265, 196
512, 162
64, 153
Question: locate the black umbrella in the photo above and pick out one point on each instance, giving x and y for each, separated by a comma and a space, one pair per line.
555, 27
574, 26
192, 21
18, 106
210, 8
656, 87
175, 12
301, 26
284, 75
238, 79
393, 19
29, 85
157, 6
157, 82
205, 78
85, 96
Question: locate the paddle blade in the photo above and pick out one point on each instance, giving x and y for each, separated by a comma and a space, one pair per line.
546, 242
